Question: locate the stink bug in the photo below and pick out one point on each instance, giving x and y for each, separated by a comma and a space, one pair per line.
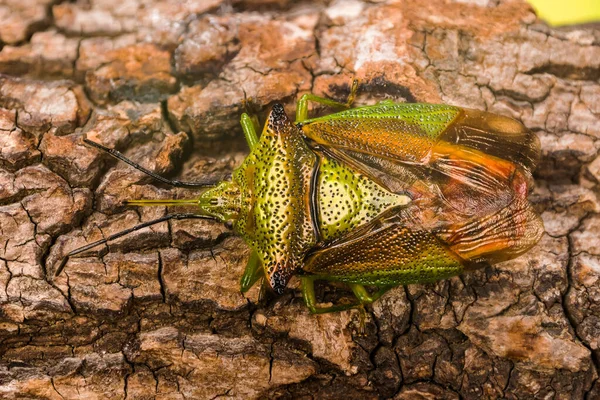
376, 196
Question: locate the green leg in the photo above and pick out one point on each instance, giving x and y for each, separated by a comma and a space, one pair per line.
365, 298
308, 293
252, 273
249, 130
302, 106
265, 289
363, 295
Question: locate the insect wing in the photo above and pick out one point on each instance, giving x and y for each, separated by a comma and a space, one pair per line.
498, 236
410, 132
470, 156
405, 132
391, 250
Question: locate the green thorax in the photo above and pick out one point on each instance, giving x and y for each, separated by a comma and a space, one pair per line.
347, 199
275, 216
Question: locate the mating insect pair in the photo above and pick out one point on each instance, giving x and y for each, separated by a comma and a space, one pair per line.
375, 196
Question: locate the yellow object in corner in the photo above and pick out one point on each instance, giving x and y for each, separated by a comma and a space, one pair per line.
562, 12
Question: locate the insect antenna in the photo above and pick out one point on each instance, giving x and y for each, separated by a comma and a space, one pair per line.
117, 235
155, 202
173, 182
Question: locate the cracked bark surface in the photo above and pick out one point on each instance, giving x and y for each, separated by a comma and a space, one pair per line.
159, 314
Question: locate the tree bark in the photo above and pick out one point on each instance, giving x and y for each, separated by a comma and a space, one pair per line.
158, 313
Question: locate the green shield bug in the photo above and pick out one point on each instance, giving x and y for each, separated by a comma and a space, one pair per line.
375, 196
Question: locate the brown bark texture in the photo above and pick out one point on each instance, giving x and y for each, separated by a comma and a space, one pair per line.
159, 314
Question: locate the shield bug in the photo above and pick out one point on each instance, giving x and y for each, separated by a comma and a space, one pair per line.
373, 197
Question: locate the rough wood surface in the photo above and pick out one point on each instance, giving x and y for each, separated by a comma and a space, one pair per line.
160, 314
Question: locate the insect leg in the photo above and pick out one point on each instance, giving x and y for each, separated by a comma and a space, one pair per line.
302, 106
308, 293
123, 233
249, 130
365, 298
116, 154
252, 273
264, 291
363, 295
